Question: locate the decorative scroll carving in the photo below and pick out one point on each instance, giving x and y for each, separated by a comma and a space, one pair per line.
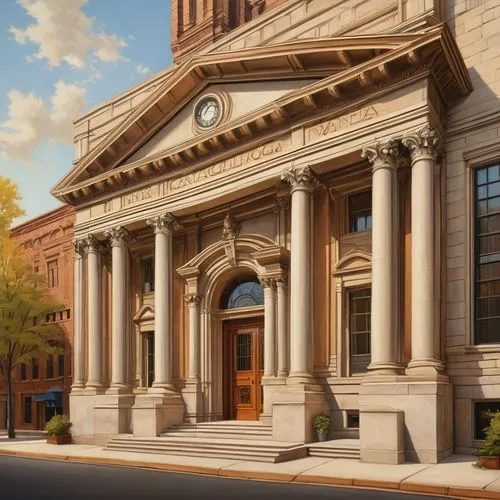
300, 177
163, 223
92, 244
245, 393
116, 235
423, 142
382, 154
268, 282
192, 299
79, 248
231, 229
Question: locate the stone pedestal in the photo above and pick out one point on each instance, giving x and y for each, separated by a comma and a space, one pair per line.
112, 415
382, 438
270, 386
192, 395
294, 409
152, 414
427, 407
81, 410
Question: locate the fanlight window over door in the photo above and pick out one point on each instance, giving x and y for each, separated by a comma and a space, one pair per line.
244, 293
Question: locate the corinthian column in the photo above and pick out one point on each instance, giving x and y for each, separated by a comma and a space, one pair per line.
163, 227
282, 327
193, 302
302, 181
78, 338
118, 314
424, 146
94, 312
269, 285
384, 355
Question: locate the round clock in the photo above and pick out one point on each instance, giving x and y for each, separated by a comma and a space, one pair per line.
208, 112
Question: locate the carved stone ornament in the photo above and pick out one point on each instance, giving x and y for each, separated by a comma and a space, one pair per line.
116, 235
192, 299
163, 223
423, 142
79, 247
268, 282
300, 177
382, 154
230, 229
257, 7
92, 244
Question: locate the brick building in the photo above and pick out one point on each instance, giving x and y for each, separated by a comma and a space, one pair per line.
41, 387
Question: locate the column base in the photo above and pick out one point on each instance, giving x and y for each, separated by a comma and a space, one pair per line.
153, 413
300, 378
112, 415
385, 368
162, 389
427, 367
119, 389
427, 408
293, 410
92, 390
192, 396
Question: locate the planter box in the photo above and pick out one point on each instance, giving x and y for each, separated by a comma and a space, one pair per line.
59, 439
489, 462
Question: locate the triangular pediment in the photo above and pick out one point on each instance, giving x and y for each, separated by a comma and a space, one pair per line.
328, 73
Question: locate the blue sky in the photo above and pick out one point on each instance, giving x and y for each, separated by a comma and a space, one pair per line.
49, 77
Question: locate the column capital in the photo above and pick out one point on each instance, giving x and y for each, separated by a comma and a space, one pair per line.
91, 244
424, 142
117, 235
300, 178
382, 154
79, 245
268, 282
165, 223
192, 299
282, 280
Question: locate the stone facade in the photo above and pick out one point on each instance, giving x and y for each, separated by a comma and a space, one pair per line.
47, 242
331, 179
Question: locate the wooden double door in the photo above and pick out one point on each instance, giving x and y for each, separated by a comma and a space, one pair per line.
244, 367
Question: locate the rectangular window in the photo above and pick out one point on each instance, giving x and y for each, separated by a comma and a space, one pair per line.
353, 419
360, 212
360, 329
52, 274
34, 368
482, 416
27, 409
487, 255
50, 366
60, 365
150, 361
243, 352
148, 275
23, 371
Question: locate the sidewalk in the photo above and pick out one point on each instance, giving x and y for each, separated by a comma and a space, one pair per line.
454, 477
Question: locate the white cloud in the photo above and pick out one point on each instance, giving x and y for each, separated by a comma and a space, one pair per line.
63, 32
31, 120
142, 70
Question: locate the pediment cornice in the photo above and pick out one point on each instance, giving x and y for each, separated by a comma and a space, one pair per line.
348, 66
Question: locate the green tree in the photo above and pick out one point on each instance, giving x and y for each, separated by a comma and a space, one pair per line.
9, 205
25, 302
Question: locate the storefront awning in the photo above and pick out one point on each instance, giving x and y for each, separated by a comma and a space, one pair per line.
53, 397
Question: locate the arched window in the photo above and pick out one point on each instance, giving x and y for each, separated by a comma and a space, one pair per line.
243, 293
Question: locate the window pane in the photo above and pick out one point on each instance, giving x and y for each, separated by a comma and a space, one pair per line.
244, 352
481, 176
482, 416
245, 293
360, 328
27, 409
360, 212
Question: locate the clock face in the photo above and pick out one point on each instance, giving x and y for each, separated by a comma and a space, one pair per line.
207, 112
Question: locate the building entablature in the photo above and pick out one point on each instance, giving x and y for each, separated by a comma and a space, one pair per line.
357, 67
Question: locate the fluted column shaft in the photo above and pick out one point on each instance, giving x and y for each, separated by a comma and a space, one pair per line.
384, 355
424, 146
78, 311
302, 181
269, 285
163, 227
282, 327
94, 313
119, 303
193, 302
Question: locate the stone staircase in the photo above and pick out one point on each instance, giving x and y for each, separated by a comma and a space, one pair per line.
337, 448
234, 440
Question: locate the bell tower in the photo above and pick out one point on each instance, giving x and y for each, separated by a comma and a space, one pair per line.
197, 23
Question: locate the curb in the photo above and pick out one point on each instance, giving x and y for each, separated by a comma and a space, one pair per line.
428, 489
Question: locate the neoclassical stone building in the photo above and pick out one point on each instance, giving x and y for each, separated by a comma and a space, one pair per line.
290, 221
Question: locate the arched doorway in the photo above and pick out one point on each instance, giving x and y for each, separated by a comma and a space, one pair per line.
243, 344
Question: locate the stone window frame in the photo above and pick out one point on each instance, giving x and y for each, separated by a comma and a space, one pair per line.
474, 158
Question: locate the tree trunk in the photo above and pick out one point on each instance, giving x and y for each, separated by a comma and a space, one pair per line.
10, 405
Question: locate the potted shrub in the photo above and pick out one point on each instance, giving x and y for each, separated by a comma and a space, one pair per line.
321, 424
489, 452
57, 429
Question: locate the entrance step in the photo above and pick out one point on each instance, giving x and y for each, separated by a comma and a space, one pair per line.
224, 429
337, 448
228, 448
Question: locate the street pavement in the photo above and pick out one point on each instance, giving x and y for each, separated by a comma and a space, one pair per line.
29, 479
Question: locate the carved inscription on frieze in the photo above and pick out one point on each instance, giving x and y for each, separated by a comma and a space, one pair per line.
141, 196
321, 130
262, 153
